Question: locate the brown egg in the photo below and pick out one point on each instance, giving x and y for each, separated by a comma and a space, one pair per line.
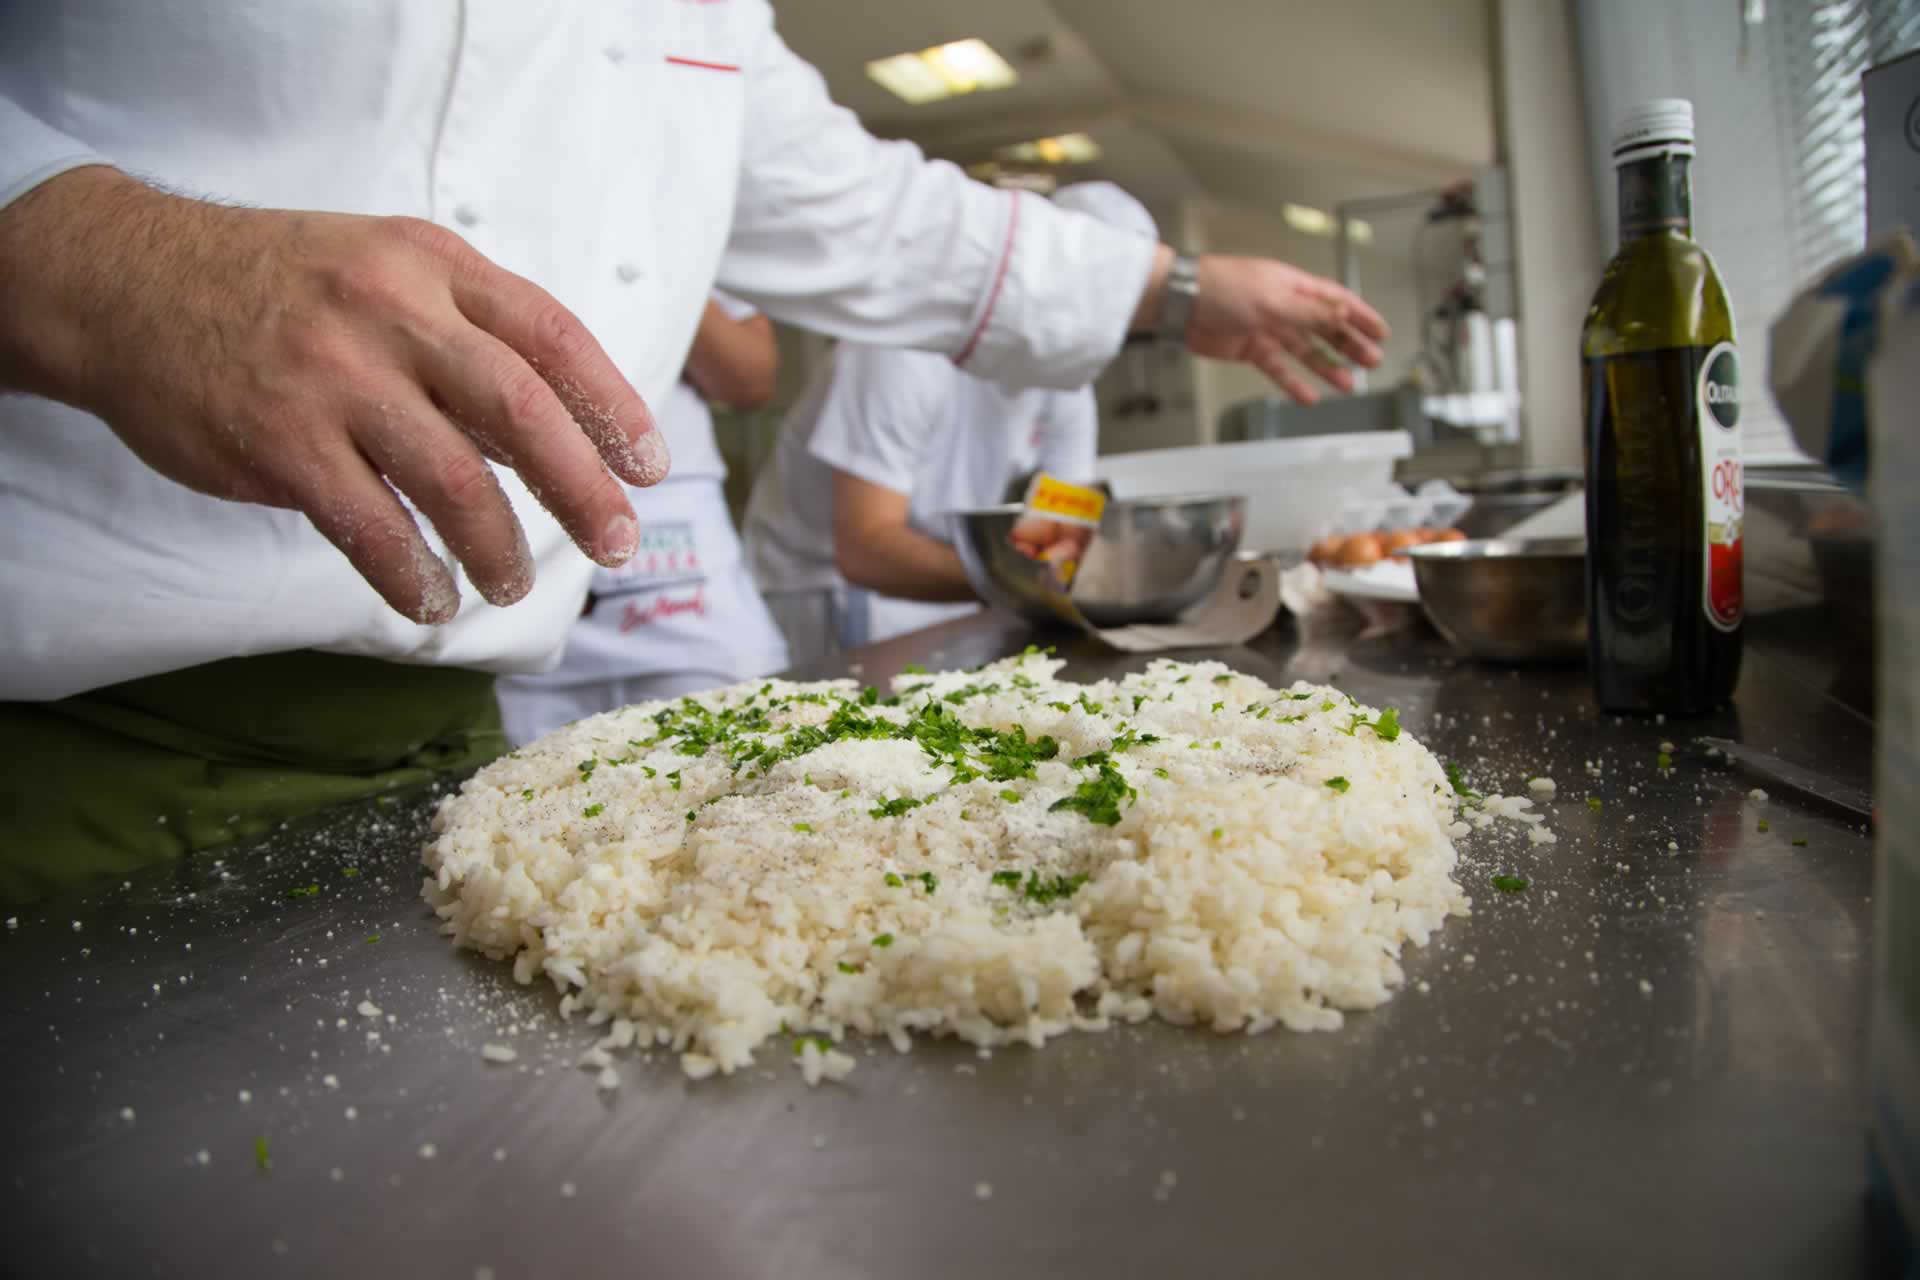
1397, 542
1327, 550
1449, 535
1428, 534
1360, 550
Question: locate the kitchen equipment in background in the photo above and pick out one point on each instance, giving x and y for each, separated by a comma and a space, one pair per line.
1507, 600
1502, 499
1276, 418
1153, 559
1468, 365
1293, 487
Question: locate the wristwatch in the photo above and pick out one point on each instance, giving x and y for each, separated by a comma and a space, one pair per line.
1176, 306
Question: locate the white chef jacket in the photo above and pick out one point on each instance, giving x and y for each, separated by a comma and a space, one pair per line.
625, 157
911, 422
680, 617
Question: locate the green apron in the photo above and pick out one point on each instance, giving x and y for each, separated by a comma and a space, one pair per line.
117, 779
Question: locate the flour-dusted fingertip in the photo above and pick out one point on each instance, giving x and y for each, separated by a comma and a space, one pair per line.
618, 541
650, 457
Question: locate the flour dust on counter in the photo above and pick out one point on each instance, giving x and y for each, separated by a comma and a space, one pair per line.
995, 854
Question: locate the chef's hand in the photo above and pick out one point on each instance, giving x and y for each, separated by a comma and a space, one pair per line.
1274, 317
1060, 544
310, 361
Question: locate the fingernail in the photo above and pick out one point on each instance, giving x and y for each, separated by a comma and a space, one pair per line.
618, 542
439, 596
651, 458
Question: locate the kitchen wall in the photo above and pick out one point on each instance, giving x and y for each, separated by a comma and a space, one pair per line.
1544, 143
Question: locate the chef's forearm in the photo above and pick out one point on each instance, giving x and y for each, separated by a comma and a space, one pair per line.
62, 244
903, 563
734, 362
1146, 315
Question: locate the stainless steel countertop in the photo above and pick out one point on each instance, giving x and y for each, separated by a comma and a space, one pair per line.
1524, 1108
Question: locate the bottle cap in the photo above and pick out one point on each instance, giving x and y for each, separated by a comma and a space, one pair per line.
1660, 124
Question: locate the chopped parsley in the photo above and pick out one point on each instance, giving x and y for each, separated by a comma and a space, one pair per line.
1161, 773
593, 811
1138, 698
1386, 727
895, 807
928, 879
913, 669
1047, 890
1593, 803
1338, 784
803, 828
882, 940
1092, 708
1008, 878
307, 891
1218, 832
1663, 761
1010, 796
1098, 799
1799, 844
261, 1155
1223, 679
1217, 706
527, 794
802, 1043
893, 881
586, 768
1460, 787
1510, 884
649, 770
850, 968
1260, 713
1061, 706
373, 937
349, 872
674, 778
1765, 825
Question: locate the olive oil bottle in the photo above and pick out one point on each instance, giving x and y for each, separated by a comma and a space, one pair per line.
1661, 387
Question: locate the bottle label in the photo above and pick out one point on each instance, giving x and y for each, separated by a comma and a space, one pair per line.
1723, 477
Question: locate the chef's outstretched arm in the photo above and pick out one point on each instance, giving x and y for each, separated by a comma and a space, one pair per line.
876, 547
349, 354
840, 232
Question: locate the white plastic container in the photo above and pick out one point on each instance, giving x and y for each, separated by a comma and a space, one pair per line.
1294, 488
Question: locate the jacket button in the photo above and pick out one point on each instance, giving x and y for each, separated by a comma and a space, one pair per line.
615, 54
627, 272
465, 215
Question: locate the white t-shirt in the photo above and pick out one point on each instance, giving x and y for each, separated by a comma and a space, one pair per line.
911, 422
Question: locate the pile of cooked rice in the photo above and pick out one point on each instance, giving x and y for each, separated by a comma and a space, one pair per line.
994, 854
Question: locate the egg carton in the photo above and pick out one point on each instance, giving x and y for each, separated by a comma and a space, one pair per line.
1434, 505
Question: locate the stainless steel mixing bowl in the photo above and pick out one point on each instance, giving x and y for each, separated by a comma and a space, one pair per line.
1507, 600
1153, 559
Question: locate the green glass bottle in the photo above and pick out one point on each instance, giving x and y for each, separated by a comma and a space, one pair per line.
1661, 386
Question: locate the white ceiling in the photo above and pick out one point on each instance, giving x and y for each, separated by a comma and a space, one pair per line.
1251, 103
